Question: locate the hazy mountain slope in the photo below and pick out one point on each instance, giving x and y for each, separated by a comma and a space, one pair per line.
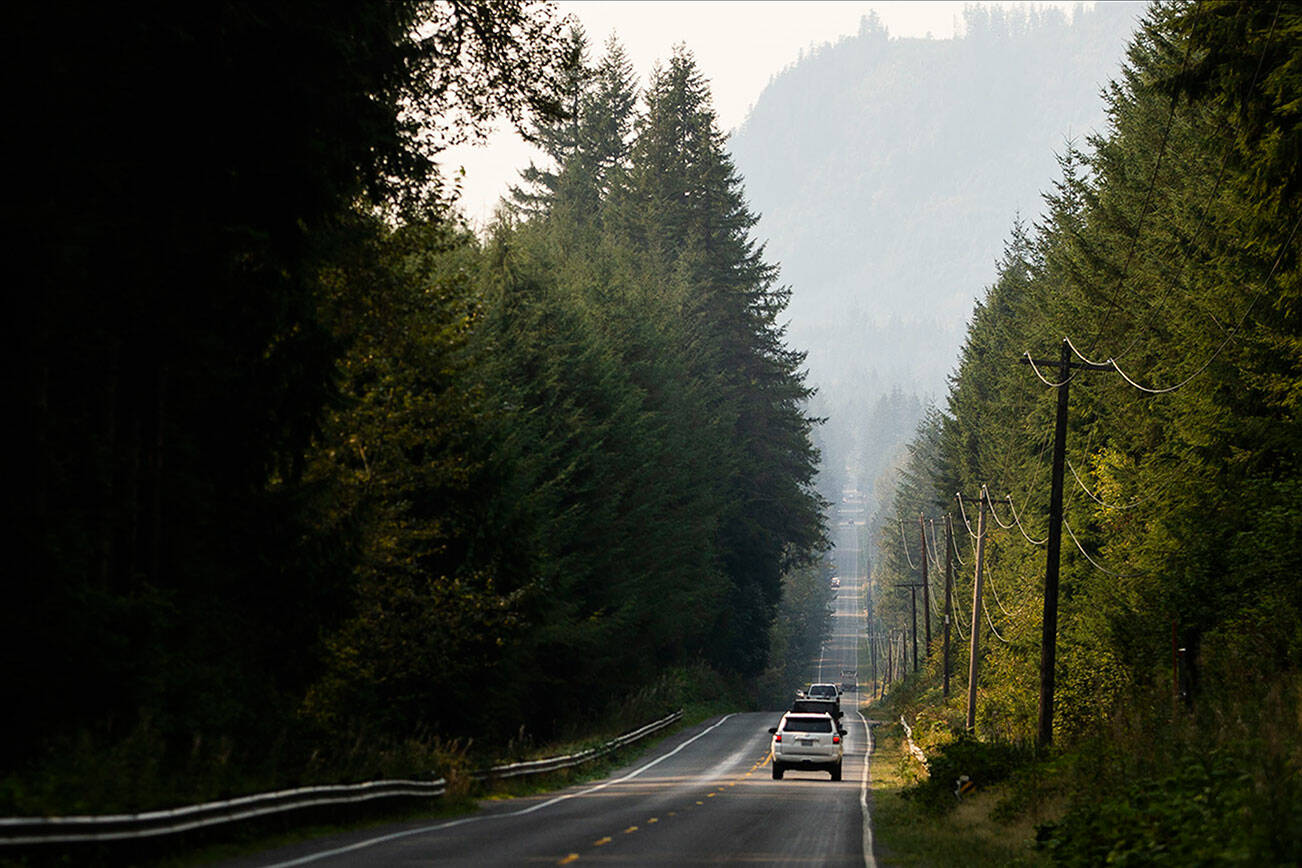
888, 173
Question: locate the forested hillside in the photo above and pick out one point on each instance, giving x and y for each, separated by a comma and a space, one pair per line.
315, 484
1169, 261
886, 169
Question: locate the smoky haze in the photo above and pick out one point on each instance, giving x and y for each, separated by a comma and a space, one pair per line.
887, 173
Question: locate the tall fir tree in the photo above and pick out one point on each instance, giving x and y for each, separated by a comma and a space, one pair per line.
685, 211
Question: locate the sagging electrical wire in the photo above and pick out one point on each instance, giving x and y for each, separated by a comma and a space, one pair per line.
1229, 337
1052, 385
992, 627
953, 542
958, 621
963, 512
1018, 520
1216, 185
905, 544
1136, 502
990, 581
1152, 185
935, 546
1093, 562
995, 515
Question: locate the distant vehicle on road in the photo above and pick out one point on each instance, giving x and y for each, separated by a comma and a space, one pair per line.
817, 706
836, 582
823, 690
807, 741
849, 679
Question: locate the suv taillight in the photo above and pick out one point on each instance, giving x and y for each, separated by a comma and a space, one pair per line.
836, 739
777, 737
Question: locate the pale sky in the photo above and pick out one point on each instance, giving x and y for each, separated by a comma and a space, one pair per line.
739, 46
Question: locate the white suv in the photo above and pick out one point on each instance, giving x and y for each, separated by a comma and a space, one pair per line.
807, 741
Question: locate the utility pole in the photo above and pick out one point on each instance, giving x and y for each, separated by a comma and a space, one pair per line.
872, 659
890, 668
949, 584
974, 650
913, 610
1049, 625
926, 590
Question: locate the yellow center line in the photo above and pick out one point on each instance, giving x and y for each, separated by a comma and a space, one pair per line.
673, 813
573, 857
653, 820
605, 840
708, 796
630, 830
699, 802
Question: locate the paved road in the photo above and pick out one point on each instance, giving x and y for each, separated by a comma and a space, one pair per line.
704, 795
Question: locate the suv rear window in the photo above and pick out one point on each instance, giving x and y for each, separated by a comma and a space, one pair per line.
822, 690
807, 724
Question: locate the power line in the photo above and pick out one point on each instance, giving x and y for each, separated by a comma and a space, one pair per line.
1071, 376
989, 578
904, 544
1229, 337
954, 545
958, 621
934, 551
1216, 185
995, 516
1134, 503
992, 628
1152, 185
1013, 507
1093, 562
963, 513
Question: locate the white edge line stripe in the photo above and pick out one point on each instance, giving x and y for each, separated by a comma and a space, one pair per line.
868, 860
370, 842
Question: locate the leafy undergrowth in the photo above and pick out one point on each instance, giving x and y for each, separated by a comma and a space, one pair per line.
979, 830
1217, 785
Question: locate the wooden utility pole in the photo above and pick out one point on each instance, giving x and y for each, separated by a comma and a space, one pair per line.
890, 668
926, 591
913, 611
872, 658
1049, 625
949, 584
974, 649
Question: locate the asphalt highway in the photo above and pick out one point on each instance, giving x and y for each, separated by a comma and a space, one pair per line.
703, 795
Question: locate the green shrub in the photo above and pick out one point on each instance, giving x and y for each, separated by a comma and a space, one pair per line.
984, 763
1206, 811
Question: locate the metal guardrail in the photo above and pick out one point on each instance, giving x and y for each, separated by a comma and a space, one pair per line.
536, 767
29, 831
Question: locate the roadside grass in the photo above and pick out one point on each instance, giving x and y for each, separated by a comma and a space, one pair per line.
993, 826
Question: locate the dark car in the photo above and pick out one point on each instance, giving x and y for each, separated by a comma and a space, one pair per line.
817, 706
825, 690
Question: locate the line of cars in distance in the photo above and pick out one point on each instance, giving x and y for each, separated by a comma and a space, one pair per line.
810, 737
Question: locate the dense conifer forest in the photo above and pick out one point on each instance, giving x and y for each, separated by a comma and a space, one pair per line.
1168, 258
314, 483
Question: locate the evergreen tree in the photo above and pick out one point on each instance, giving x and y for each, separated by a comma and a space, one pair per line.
684, 210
